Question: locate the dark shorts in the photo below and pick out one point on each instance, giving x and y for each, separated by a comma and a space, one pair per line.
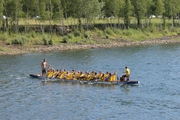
44, 71
126, 76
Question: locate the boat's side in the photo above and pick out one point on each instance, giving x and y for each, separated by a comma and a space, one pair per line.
94, 82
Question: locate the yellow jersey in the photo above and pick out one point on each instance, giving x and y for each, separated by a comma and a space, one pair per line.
127, 71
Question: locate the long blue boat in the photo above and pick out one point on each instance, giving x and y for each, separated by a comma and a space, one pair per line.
118, 82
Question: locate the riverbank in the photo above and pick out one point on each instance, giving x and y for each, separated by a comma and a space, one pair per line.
17, 49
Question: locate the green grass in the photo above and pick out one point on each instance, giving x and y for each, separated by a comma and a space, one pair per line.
95, 36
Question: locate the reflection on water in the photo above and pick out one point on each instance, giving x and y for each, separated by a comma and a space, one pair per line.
156, 67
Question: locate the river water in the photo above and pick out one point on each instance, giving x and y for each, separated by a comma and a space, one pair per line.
157, 67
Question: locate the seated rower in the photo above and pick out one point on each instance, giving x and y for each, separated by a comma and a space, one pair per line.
81, 76
63, 73
106, 76
55, 74
92, 76
77, 75
113, 77
102, 77
69, 75
49, 73
59, 73
72, 74
99, 75
86, 75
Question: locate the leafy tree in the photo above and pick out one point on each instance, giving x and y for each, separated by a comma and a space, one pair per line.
87, 9
159, 7
172, 8
127, 12
1, 14
92, 9
13, 9
29, 8
140, 9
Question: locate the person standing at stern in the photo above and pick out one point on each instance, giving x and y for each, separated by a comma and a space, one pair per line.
127, 75
44, 64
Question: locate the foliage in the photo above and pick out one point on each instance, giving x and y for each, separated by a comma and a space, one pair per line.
77, 33
84, 12
65, 39
109, 31
19, 40
86, 35
70, 35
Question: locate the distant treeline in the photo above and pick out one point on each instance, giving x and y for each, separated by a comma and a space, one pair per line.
86, 12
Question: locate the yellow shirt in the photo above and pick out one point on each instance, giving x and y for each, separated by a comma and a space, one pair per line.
69, 76
49, 74
112, 78
127, 72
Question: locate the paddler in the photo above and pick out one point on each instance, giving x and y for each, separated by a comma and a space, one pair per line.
113, 77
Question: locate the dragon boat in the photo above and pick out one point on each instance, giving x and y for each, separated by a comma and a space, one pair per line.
96, 81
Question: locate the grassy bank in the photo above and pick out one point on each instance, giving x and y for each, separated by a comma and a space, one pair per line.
22, 43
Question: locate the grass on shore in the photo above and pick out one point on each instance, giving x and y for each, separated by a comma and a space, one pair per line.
94, 36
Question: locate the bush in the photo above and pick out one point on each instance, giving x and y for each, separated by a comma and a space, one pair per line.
70, 36
99, 32
33, 34
127, 33
45, 41
65, 40
109, 31
20, 40
50, 42
77, 33
4, 36
86, 35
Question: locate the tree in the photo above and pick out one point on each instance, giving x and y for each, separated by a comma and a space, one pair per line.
140, 9
29, 8
13, 9
87, 9
92, 9
3, 18
159, 7
172, 8
127, 12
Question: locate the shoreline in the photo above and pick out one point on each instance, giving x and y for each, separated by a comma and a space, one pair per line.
13, 50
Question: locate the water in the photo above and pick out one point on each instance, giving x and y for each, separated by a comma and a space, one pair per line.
157, 67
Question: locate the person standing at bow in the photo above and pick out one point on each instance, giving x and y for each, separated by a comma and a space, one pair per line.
44, 64
127, 75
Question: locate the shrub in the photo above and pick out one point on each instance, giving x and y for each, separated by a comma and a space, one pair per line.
98, 32
70, 36
45, 41
109, 31
50, 42
127, 33
86, 35
33, 34
65, 40
19, 40
77, 33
